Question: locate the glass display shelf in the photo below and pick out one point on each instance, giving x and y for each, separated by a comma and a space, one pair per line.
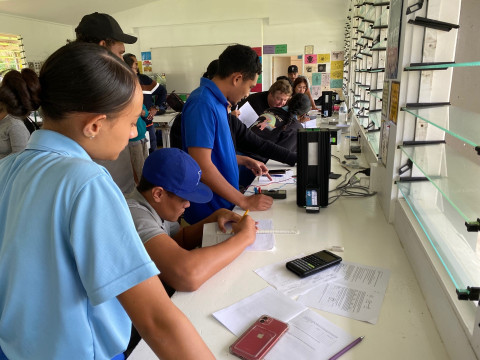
451, 173
443, 227
381, 45
382, 21
376, 95
370, 15
442, 66
458, 122
376, 118
374, 140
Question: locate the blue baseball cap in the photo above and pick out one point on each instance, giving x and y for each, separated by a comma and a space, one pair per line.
176, 171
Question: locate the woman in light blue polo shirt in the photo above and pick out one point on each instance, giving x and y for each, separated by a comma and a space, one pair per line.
71, 263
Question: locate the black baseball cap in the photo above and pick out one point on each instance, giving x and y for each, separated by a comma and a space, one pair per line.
293, 69
103, 26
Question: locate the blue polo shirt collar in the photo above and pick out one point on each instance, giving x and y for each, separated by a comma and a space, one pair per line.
52, 141
209, 84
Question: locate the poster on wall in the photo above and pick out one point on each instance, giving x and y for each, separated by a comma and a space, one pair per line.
308, 49
316, 92
310, 58
336, 83
316, 79
384, 134
385, 98
394, 96
322, 67
309, 69
146, 61
323, 58
393, 42
385, 126
337, 55
258, 50
281, 49
325, 81
269, 49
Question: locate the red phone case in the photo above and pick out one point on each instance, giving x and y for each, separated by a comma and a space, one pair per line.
255, 343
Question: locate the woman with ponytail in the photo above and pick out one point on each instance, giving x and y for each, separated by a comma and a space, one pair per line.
18, 98
73, 270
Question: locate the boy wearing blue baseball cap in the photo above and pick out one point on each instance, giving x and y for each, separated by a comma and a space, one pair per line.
170, 181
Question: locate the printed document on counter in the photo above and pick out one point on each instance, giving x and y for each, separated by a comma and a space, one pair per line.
310, 336
358, 294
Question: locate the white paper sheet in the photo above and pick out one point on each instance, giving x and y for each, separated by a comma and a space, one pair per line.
262, 241
310, 124
286, 178
240, 316
310, 336
247, 115
290, 284
358, 294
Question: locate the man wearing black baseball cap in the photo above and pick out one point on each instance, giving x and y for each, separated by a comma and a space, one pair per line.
292, 73
104, 30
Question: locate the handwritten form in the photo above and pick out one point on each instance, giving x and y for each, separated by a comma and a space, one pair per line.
262, 242
310, 336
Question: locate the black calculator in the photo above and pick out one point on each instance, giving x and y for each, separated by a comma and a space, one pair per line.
311, 264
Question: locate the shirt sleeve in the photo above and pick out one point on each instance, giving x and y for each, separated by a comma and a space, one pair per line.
19, 136
109, 255
145, 223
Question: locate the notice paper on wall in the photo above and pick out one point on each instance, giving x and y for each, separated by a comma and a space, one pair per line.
247, 115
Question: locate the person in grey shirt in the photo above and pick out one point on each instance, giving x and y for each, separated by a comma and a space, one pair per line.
170, 180
16, 102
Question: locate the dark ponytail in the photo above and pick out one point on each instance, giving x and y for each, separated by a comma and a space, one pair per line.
84, 77
20, 92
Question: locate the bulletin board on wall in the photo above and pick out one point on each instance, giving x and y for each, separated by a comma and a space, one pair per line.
184, 65
323, 70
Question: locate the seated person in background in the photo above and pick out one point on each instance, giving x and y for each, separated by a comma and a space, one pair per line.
14, 134
301, 86
280, 125
276, 96
160, 199
206, 134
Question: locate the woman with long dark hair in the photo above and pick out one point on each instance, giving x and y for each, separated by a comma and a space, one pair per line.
72, 267
18, 98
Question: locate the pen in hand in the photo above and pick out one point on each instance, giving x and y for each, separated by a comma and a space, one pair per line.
346, 348
244, 214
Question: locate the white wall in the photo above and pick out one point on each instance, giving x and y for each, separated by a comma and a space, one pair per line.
249, 22
40, 38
